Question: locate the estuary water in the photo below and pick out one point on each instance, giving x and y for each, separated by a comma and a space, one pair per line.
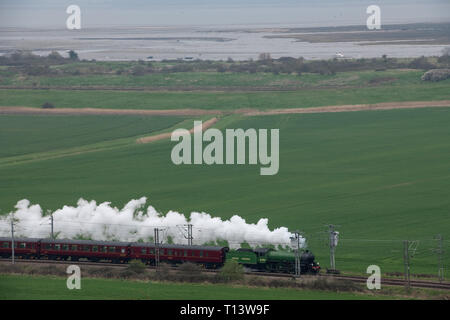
238, 42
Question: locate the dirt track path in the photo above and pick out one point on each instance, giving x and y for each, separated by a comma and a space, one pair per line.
356, 107
167, 135
101, 111
246, 112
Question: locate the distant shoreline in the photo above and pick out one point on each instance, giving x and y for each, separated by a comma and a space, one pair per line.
240, 43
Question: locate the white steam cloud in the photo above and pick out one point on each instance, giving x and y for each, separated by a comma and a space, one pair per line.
131, 223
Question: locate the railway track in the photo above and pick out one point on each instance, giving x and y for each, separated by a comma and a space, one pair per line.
357, 279
398, 282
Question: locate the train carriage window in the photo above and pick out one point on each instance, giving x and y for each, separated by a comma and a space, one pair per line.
170, 252
74, 247
152, 251
112, 249
144, 250
122, 250
206, 254
5, 245
65, 247
94, 248
15, 244
86, 248
22, 245
185, 253
201, 253
103, 249
48, 246
57, 246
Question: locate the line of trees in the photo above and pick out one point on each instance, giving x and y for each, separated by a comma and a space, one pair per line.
34, 65
27, 58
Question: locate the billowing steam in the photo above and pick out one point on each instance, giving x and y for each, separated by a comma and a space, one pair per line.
132, 223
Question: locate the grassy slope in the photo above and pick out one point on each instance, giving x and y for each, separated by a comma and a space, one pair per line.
379, 175
20, 134
40, 287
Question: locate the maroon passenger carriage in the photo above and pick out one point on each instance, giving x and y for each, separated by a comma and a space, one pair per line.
25, 248
74, 250
209, 256
118, 252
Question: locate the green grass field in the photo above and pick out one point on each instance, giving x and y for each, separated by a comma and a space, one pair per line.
312, 90
223, 100
22, 134
45, 287
216, 80
382, 176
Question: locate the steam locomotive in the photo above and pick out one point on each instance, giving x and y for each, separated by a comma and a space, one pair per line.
281, 261
261, 259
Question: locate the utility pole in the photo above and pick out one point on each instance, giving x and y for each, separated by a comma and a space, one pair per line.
406, 262
51, 223
333, 238
12, 239
409, 251
189, 237
440, 252
187, 229
296, 241
157, 243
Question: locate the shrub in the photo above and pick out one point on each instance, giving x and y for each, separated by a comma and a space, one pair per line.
55, 56
162, 274
436, 75
421, 63
38, 70
73, 55
232, 271
264, 56
189, 272
47, 105
136, 266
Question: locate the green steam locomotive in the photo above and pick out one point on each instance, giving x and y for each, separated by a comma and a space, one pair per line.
270, 260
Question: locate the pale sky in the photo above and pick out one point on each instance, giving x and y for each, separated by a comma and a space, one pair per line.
104, 13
